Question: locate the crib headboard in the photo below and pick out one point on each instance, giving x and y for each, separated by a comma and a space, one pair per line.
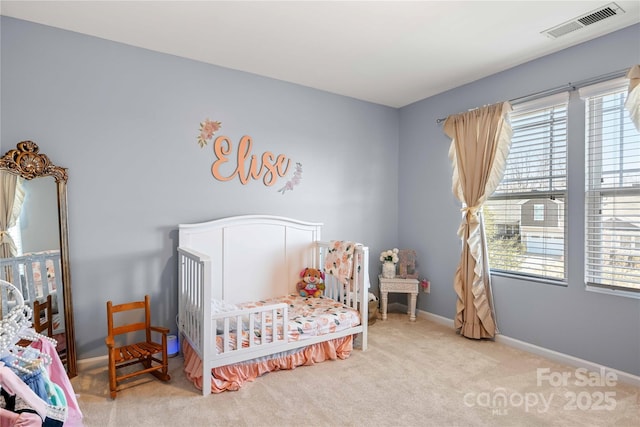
253, 256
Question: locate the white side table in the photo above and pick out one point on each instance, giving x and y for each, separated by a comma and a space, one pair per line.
407, 286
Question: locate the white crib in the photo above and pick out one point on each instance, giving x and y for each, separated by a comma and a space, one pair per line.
251, 258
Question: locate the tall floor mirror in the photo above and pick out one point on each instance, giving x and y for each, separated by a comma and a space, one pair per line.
34, 239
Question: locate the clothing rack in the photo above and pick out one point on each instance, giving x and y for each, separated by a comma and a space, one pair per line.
34, 372
565, 87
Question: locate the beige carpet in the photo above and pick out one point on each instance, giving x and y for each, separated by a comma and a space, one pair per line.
413, 374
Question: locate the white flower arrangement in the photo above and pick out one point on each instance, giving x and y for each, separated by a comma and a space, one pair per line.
390, 255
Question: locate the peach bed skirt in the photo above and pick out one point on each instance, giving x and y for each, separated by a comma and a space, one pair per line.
232, 377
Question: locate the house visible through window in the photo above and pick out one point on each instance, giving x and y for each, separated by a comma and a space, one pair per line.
538, 212
524, 218
612, 199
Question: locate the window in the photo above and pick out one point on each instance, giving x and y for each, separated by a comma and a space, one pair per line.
529, 201
16, 235
612, 199
538, 212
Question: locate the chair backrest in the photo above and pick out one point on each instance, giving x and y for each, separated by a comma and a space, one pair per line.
38, 324
129, 327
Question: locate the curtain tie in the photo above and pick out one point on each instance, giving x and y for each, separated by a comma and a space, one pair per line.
6, 239
470, 221
471, 213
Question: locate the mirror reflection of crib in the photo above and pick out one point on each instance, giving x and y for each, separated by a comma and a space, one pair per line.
39, 275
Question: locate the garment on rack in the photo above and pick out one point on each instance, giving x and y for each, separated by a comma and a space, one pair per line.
23, 419
36, 382
14, 403
44, 398
19, 414
29, 365
12, 385
58, 376
17, 397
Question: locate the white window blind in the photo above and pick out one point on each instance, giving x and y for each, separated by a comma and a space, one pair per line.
525, 217
612, 211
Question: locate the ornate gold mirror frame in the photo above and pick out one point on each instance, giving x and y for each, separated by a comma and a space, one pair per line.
26, 162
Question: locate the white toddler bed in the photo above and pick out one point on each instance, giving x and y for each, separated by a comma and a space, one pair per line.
237, 298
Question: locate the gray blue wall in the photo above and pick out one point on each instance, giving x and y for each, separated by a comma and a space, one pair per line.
600, 328
124, 121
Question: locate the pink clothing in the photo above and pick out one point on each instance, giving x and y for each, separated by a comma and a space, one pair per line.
58, 375
13, 419
14, 385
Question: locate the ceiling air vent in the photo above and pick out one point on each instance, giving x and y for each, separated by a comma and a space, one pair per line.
580, 22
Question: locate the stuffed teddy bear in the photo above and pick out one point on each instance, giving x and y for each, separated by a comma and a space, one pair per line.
311, 283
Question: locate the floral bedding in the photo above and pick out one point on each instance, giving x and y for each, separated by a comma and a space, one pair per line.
308, 317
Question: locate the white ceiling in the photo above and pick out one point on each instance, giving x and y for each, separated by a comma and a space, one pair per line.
387, 52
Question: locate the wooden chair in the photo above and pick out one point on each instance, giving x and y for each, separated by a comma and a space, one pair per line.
44, 324
42, 319
140, 352
43, 327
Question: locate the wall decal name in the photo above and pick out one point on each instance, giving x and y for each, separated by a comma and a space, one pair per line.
248, 166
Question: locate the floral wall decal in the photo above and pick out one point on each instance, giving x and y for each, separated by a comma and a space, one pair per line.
295, 180
207, 129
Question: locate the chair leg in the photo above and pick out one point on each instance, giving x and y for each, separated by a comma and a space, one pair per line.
112, 375
146, 362
163, 374
165, 359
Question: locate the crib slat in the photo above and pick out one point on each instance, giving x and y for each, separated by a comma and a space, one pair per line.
226, 337
274, 326
251, 328
263, 324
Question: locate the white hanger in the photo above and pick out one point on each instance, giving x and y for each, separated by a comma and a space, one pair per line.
16, 325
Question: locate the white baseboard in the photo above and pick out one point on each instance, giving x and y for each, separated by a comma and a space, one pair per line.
567, 359
556, 356
84, 363
436, 318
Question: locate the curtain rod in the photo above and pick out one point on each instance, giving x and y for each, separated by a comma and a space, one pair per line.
568, 86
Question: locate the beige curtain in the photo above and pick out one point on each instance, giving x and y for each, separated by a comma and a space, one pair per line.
480, 143
11, 199
633, 99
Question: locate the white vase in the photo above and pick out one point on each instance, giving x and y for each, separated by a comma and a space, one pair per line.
388, 270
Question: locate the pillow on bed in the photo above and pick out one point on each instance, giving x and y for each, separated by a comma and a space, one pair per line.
220, 306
